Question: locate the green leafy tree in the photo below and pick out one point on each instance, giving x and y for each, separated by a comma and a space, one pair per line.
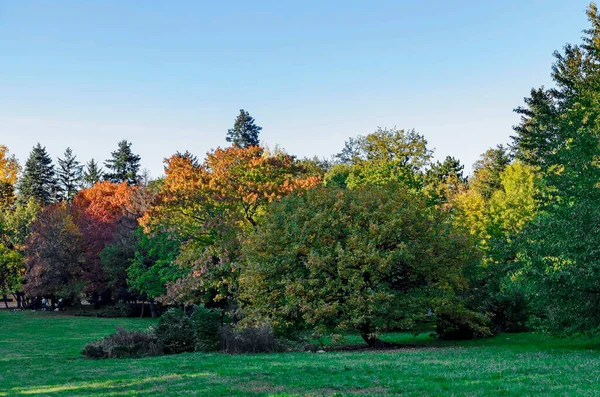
123, 166
559, 132
69, 175
92, 173
387, 155
516, 203
337, 176
15, 224
12, 269
487, 170
39, 179
245, 131
560, 268
153, 265
117, 257
445, 179
368, 260
54, 255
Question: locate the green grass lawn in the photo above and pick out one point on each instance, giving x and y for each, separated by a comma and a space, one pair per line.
40, 356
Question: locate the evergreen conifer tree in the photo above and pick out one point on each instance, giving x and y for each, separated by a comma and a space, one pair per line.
123, 166
245, 131
69, 175
39, 179
92, 173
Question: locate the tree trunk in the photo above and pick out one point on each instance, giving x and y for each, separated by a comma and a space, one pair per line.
373, 341
5, 300
153, 308
143, 306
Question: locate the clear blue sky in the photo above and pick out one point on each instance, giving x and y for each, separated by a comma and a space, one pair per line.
172, 75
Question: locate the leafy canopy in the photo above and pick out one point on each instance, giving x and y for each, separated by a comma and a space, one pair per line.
367, 260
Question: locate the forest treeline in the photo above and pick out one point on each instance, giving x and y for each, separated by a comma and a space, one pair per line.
378, 238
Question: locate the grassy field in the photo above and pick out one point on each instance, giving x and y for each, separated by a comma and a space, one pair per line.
40, 356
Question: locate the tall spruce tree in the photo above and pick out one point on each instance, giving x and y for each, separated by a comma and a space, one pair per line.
245, 131
70, 174
92, 173
39, 179
123, 166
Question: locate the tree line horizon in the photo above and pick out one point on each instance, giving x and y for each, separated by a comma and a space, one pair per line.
379, 238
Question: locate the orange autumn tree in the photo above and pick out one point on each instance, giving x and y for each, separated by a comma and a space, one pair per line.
96, 212
211, 206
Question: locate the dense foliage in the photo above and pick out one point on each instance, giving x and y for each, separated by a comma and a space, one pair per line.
380, 237
367, 260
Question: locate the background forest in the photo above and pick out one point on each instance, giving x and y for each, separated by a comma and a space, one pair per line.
378, 238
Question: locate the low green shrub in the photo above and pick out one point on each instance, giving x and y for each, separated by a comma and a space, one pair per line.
511, 310
176, 332
207, 326
460, 323
124, 344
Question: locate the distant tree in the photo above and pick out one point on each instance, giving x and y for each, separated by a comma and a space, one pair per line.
153, 266
92, 173
97, 212
387, 155
9, 166
15, 224
54, 255
12, 269
337, 176
9, 172
516, 203
69, 175
487, 170
445, 179
15, 228
39, 178
117, 256
450, 166
366, 260
537, 135
315, 166
123, 166
244, 132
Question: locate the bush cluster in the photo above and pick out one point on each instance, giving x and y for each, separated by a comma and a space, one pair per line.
202, 331
248, 340
124, 344
175, 333
207, 326
511, 310
459, 323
